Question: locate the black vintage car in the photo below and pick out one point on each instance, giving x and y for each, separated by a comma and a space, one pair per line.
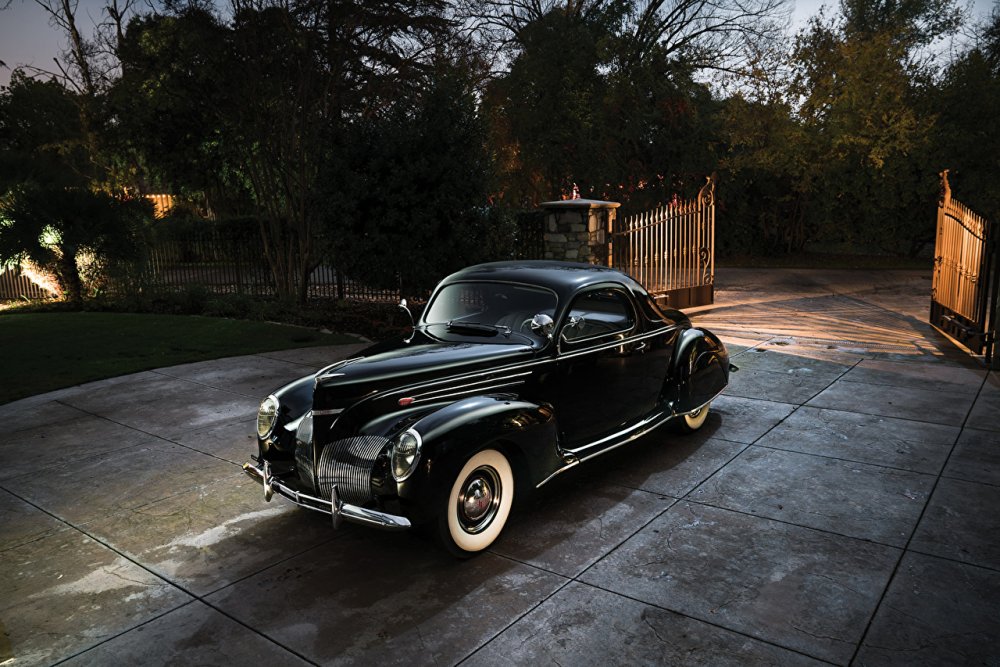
515, 373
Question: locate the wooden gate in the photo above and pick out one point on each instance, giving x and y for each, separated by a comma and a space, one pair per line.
964, 288
671, 249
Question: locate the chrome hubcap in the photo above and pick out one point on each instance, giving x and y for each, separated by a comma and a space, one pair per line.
479, 499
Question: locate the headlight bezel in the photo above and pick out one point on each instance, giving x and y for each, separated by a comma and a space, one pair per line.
267, 416
405, 454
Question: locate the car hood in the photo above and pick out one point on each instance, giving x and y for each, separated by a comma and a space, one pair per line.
393, 365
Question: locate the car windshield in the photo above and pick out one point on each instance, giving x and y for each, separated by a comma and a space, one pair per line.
489, 309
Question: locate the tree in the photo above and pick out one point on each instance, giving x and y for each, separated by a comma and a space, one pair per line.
859, 93
910, 24
968, 129
418, 182
49, 212
769, 168
62, 229
704, 35
548, 107
40, 136
168, 108
265, 102
569, 111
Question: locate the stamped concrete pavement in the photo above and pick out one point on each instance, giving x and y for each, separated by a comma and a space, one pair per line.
840, 506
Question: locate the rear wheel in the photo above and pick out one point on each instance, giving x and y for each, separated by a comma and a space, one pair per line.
478, 504
690, 423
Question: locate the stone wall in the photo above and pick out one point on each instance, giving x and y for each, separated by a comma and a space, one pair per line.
579, 230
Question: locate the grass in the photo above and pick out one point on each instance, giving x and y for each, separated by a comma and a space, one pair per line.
46, 351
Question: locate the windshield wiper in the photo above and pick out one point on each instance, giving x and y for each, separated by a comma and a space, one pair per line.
478, 327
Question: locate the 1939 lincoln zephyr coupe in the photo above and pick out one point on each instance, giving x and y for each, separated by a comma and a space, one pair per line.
515, 373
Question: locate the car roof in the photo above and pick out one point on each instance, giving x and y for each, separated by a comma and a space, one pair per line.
564, 278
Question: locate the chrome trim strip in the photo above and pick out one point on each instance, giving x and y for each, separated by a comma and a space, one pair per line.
571, 464
613, 344
485, 389
697, 409
619, 332
618, 434
527, 364
425, 395
336, 508
324, 413
325, 371
627, 440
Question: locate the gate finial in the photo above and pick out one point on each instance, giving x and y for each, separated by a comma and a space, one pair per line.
706, 196
945, 189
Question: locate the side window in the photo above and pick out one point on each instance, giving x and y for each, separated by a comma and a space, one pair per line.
597, 314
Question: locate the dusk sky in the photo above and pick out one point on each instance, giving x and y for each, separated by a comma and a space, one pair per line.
26, 38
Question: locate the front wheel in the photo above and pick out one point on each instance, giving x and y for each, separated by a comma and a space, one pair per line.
690, 423
478, 504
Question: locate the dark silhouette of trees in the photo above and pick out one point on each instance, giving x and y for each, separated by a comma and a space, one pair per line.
50, 211
968, 128
397, 139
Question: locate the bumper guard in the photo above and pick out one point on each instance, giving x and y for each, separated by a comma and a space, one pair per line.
338, 510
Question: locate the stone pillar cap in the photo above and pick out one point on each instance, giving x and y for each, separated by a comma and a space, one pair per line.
579, 203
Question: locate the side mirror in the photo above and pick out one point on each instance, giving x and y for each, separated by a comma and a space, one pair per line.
542, 325
413, 325
406, 309
571, 323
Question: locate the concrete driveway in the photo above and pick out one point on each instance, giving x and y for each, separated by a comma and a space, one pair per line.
841, 505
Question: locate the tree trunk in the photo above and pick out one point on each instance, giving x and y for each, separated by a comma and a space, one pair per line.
69, 277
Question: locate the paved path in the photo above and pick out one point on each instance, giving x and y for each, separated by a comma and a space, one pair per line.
842, 504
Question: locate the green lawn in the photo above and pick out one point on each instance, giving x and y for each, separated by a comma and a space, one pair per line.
46, 351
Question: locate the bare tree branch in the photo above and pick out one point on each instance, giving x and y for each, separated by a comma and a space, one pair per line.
704, 34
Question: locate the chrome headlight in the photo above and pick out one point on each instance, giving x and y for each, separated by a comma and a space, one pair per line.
267, 416
304, 431
405, 454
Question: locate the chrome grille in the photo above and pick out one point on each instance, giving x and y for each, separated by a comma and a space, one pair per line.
348, 463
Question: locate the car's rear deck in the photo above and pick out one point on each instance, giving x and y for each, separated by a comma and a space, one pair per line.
842, 504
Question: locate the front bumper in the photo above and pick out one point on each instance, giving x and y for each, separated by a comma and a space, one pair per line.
338, 510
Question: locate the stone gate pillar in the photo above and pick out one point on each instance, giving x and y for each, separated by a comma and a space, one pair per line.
579, 230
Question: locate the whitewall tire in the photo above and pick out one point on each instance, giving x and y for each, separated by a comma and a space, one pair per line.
690, 423
478, 503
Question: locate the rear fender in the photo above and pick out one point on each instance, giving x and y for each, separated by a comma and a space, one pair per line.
699, 370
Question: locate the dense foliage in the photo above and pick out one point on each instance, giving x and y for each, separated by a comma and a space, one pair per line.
400, 139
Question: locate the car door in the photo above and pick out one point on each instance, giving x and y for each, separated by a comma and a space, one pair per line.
596, 387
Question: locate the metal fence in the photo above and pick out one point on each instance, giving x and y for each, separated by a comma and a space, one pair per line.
530, 241
15, 284
671, 249
233, 263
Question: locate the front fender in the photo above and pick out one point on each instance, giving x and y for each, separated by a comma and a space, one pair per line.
294, 400
524, 431
699, 370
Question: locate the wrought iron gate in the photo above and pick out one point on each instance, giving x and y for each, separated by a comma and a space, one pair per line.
671, 249
964, 290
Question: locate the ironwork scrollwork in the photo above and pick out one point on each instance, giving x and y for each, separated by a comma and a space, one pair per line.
706, 196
